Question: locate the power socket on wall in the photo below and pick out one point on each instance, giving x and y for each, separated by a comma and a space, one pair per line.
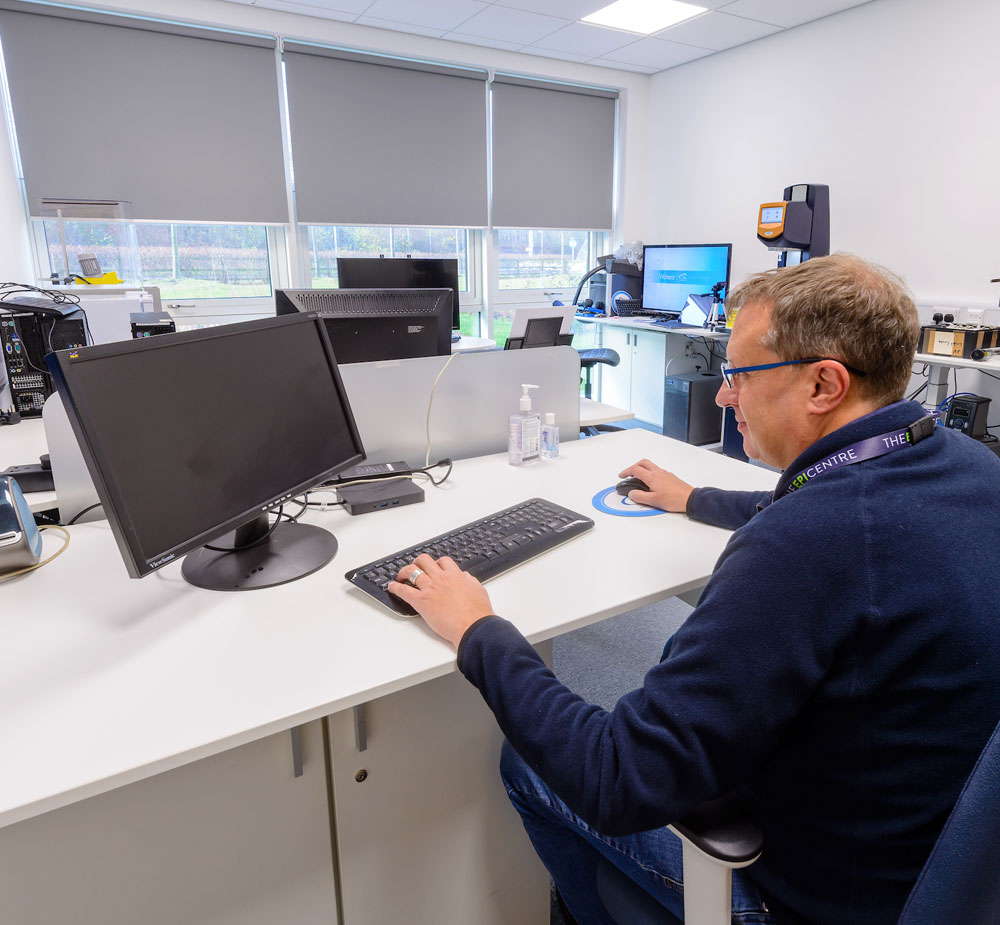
974, 315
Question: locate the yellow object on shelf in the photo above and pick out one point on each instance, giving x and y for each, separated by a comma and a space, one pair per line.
105, 279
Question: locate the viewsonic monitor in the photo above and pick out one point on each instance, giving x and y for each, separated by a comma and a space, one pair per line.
366, 325
672, 272
195, 438
402, 273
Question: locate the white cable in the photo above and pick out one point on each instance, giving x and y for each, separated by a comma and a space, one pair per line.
430, 404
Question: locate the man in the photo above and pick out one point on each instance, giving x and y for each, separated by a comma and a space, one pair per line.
840, 668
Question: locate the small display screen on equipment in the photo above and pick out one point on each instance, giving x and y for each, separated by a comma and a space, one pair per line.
772, 216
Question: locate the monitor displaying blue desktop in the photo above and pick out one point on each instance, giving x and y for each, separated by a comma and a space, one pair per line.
672, 272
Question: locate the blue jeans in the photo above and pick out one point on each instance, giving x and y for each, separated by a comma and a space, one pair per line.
570, 850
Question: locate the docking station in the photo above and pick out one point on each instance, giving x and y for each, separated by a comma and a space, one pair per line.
377, 496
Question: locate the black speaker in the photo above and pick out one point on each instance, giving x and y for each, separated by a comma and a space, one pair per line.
689, 409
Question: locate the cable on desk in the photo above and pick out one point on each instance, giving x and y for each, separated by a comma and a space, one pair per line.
38, 565
80, 514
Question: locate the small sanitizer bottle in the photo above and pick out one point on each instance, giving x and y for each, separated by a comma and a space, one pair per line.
524, 432
550, 437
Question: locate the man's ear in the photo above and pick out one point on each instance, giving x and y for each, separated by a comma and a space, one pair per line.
831, 383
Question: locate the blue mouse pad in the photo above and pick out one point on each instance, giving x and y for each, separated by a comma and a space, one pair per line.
608, 501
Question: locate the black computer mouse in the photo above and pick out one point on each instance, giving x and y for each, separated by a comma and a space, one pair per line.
630, 484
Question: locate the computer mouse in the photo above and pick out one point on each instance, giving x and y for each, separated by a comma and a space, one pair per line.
630, 484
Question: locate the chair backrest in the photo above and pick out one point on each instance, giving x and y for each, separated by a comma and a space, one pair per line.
959, 882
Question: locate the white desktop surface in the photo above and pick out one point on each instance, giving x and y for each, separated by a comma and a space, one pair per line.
593, 413
106, 680
990, 365
469, 344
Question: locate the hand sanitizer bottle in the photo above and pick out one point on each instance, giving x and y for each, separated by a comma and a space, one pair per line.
550, 437
524, 431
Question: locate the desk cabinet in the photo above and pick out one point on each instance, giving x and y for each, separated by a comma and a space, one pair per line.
235, 839
637, 382
424, 793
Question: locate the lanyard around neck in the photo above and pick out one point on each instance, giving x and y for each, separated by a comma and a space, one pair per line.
871, 448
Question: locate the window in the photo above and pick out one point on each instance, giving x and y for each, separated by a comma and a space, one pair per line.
203, 261
544, 260
328, 242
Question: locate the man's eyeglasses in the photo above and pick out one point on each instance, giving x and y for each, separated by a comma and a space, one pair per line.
728, 372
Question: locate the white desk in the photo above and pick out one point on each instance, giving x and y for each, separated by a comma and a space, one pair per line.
470, 344
593, 413
116, 694
938, 388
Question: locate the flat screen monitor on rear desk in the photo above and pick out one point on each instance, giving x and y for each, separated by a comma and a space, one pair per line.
367, 325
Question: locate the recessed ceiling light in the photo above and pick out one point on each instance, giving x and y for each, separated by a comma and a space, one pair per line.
643, 16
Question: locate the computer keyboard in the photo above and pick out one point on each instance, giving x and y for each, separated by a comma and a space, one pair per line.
626, 307
485, 548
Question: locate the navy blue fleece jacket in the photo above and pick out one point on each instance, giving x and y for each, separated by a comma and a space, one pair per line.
841, 671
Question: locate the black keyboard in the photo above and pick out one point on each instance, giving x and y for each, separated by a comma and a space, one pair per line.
626, 307
485, 548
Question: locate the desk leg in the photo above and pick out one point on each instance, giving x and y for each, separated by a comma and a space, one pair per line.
424, 831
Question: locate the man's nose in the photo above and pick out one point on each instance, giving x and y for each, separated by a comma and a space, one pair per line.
726, 396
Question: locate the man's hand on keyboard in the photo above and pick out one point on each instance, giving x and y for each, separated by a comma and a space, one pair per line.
449, 599
666, 491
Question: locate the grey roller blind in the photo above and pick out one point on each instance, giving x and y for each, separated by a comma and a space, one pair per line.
553, 156
385, 143
184, 123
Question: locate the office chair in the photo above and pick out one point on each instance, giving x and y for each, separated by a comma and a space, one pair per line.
589, 358
958, 882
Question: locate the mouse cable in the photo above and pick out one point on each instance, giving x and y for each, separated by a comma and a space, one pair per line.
38, 565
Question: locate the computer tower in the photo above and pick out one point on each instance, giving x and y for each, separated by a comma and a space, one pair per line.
25, 339
689, 409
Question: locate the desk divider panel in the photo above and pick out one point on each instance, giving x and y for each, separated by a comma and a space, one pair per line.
473, 399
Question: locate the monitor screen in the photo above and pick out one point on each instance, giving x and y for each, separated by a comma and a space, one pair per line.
402, 273
367, 325
189, 436
672, 272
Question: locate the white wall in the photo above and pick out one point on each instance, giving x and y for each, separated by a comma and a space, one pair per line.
893, 104
634, 87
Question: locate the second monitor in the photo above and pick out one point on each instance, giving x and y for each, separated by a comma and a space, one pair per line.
402, 273
366, 325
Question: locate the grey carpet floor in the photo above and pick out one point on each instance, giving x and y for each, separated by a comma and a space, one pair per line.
604, 661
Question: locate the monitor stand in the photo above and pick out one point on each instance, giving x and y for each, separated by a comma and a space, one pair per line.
291, 551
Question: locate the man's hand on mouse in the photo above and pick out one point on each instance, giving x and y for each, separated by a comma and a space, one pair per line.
666, 491
449, 599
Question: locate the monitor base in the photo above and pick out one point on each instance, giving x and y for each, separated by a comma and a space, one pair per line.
292, 551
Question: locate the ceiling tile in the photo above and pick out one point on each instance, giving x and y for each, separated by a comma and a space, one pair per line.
567, 9
432, 14
656, 53
552, 53
308, 9
394, 26
501, 22
484, 41
717, 31
624, 66
584, 39
789, 12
